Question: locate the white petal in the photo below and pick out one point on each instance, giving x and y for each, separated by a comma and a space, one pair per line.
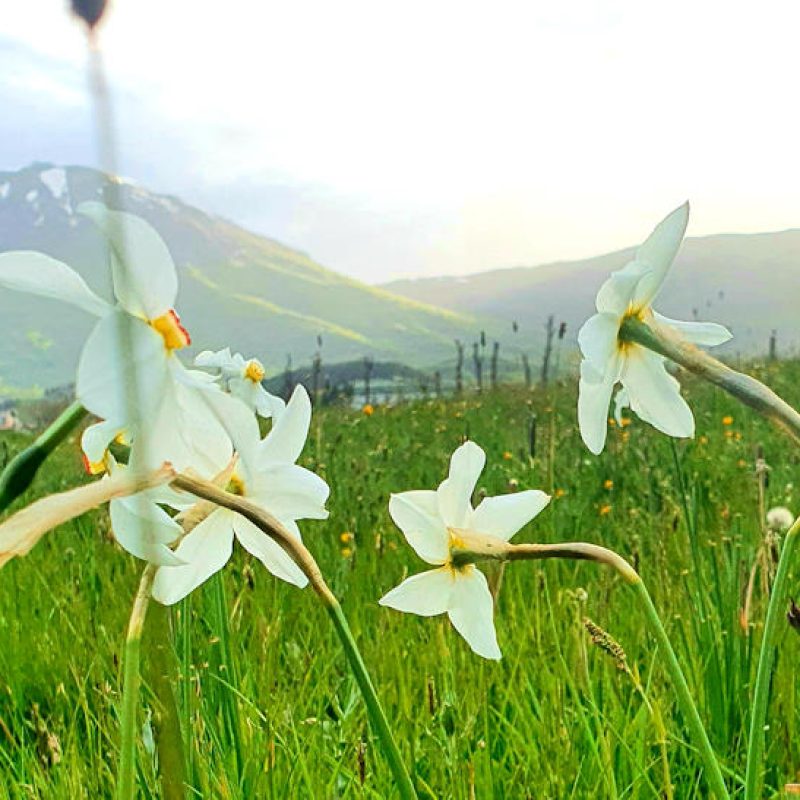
598, 341
658, 252
284, 443
234, 417
426, 594
105, 370
185, 431
503, 516
471, 611
36, 273
145, 530
655, 395
416, 513
268, 405
96, 439
702, 333
289, 492
268, 552
220, 359
145, 280
455, 493
206, 550
616, 294
594, 396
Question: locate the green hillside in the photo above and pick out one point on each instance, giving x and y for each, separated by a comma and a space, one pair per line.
747, 282
237, 288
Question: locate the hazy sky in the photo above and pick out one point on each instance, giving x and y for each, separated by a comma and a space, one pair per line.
393, 139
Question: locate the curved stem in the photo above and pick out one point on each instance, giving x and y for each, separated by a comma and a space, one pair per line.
303, 558
477, 548
130, 687
683, 695
745, 388
374, 708
766, 660
21, 470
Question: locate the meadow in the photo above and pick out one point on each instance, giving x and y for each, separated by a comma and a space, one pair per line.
272, 710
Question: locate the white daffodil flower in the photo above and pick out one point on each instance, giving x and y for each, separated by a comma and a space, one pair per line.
434, 523
133, 345
243, 379
266, 474
649, 390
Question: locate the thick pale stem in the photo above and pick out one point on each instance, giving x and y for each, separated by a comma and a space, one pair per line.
303, 558
21, 470
126, 789
766, 660
171, 758
482, 548
479, 548
745, 388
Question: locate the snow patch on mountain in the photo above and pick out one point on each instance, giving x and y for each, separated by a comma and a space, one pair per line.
55, 180
5, 190
31, 196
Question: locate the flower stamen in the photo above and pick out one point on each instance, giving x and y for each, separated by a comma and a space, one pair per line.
174, 334
254, 371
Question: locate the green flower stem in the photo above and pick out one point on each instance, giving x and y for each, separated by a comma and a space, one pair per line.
377, 717
478, 548
226, 663
301, 556
160, 671
766, 660
683, 696
748, 390
21, 470
130, 687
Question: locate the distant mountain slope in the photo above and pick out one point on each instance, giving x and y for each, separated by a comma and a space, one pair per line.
237, 288
749, 282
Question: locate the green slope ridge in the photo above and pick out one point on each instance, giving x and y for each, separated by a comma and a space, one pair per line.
237, 288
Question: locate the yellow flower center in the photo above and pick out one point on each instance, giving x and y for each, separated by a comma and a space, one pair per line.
254, 371
235, 486
174, 334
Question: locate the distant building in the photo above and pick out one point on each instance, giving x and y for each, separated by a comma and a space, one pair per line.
9, 421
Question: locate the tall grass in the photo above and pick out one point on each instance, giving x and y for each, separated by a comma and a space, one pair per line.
554, 718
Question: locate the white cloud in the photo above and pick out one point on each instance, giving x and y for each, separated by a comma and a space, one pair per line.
513, 131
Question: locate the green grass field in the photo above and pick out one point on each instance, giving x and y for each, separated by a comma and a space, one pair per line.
555, 718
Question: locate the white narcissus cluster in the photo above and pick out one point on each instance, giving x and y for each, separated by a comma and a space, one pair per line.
647, 388
433, 522
266, 474
242, 378
129, 375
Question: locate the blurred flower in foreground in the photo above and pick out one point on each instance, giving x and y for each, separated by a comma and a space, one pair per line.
437, 522
368, 410
243, 380
266, 474
128, 371
647, 388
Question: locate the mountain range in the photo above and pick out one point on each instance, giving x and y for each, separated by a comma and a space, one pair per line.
274, 302
748, 282
236, 288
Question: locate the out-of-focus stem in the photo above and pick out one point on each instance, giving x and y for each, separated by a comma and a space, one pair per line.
130, 687
21, 470
160, 670
745, 388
